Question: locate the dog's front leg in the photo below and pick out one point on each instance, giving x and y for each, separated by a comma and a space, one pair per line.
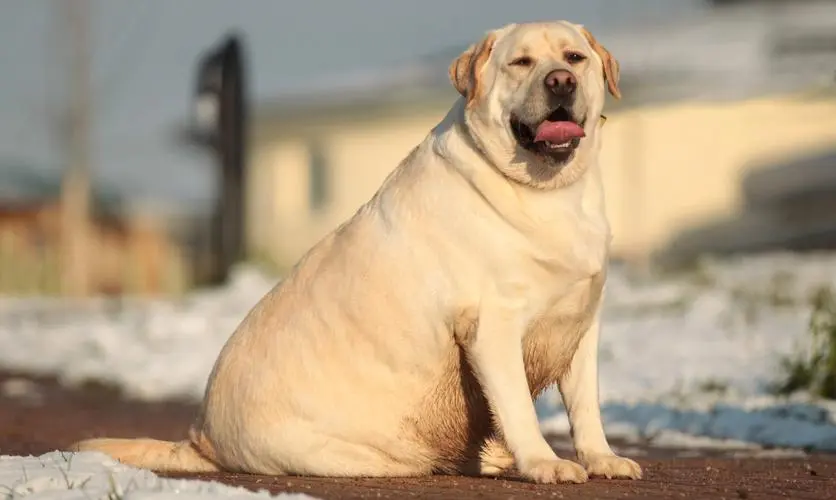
579, 387
496, 355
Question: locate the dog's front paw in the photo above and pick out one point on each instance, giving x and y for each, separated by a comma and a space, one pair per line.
554, 470
611, 466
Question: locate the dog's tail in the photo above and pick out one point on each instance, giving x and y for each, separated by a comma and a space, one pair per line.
161, 456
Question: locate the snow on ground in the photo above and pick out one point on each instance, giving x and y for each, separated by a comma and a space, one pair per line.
95, 476
153, 349
684, 357
695, 353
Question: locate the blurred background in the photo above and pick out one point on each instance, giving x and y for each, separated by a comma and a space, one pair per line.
160, 149
149, 146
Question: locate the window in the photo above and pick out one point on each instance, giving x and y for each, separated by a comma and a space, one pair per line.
318, 176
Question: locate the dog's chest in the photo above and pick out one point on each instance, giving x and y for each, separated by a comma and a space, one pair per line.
561, 275
556, 328
573, 246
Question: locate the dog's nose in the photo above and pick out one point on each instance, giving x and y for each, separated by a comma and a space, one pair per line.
561, 81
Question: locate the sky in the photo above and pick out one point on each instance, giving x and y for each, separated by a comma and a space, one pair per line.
145, 52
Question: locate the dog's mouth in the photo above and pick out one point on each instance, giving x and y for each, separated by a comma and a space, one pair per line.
556, 137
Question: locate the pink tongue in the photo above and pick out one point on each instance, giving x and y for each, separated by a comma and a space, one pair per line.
558, 132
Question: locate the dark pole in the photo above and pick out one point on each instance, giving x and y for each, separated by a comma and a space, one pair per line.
231, 152
222, 75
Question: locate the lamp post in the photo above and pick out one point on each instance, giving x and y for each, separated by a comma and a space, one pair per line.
219, 123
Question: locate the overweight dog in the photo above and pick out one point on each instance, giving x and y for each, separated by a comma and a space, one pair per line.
414, 338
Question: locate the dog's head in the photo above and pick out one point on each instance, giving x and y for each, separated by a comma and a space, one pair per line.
534, 95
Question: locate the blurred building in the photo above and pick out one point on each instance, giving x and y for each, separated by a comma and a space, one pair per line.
707, 100
314, 163
132, 252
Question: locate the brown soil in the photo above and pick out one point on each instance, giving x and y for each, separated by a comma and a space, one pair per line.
38, 415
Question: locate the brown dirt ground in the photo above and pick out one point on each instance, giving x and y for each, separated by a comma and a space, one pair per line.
38, 415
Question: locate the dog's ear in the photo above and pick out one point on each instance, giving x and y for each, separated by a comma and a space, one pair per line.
611, 68
465, 71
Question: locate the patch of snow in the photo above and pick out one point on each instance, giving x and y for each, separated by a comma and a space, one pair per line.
695, 353
728, 426
154, 349
95, 476
691, 353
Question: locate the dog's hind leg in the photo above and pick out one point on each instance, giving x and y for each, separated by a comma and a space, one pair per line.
495, 459
299, 449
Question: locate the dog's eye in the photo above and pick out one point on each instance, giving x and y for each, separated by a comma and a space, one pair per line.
523, 61
574, 57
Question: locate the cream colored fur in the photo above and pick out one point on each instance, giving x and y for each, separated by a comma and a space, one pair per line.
413, 338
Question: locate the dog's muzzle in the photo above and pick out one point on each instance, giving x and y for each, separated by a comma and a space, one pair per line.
557, 135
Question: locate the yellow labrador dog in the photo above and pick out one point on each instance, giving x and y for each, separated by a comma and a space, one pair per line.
413, 339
